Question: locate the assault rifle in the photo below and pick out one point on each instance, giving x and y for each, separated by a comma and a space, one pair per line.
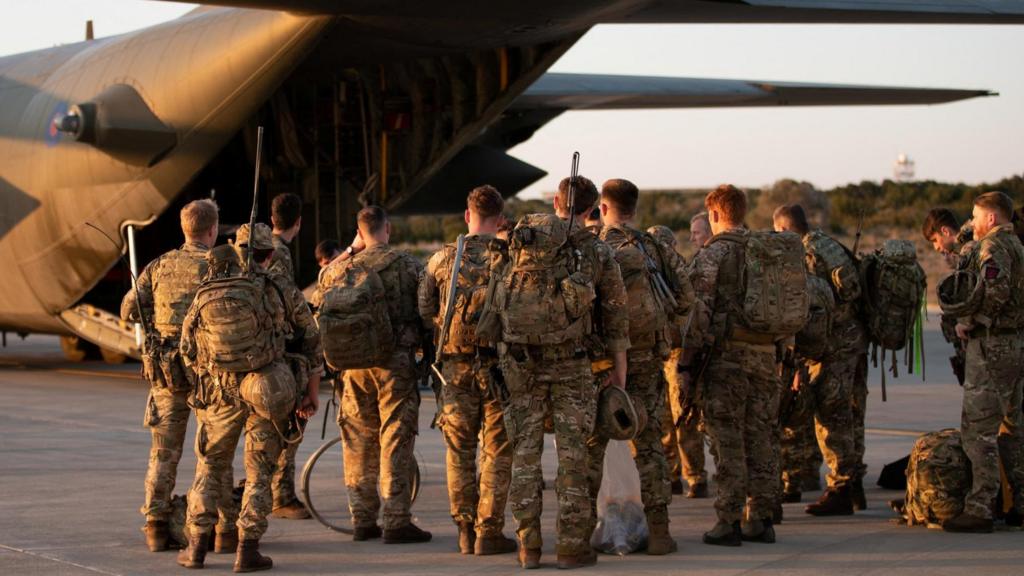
661, 288
449, 313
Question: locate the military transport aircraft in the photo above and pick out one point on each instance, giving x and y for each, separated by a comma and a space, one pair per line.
406, 103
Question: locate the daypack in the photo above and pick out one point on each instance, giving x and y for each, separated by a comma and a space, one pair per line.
772, 296
812, 341
470, 293
830, 257
546, 293
893, 285
237, 330
648, 313
353, 316
938, 478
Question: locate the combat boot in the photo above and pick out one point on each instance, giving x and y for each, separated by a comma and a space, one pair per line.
834, 502
529, 558
497, 544
964, 522
698, 490
408, 534
158, 535
759, 531
571, 561
226, 542
294, 510
249, 558
860, 502
724, 534
364, 533
659, 541
467, 537
194, 555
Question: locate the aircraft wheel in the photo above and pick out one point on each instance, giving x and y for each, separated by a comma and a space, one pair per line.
75, 349
111, 357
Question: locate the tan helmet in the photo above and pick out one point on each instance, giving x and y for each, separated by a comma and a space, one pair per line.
617, 416
263, 239
960, 293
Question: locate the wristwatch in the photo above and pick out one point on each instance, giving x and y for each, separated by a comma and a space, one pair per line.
350, 251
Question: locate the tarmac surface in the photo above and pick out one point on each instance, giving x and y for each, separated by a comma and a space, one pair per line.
73, 455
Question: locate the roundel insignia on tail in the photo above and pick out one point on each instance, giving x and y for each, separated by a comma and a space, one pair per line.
52, 134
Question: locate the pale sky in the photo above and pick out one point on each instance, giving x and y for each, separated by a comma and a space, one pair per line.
973, 141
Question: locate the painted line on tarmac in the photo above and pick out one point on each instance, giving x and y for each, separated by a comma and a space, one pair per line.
895, 432
58, 560
98, 374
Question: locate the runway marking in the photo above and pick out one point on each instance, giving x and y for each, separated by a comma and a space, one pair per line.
58, 560
98, 374
895, 432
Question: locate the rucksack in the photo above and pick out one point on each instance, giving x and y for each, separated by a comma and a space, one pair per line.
353, 316
893, 285
470, 293
812, 341
237, 330
938, 478
837, 262
772, 297
547, 292
648, 314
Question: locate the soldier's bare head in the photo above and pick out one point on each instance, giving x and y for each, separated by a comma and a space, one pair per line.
199, 219
619, 198
374, 227
326, 251
585, 192
286, 214
700, 229
791, 218
594, 218
727, 208
484, 207
940, 229
991, 209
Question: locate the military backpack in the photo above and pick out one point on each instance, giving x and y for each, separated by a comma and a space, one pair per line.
354, 321
648, 313
938, 478
893, 285
238, 330
772, 296
470, 294
546, 293
812, 341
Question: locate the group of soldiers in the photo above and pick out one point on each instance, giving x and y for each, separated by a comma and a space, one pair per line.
531, 328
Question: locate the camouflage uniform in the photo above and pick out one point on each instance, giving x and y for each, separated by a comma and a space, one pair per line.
645, 379
557, 380
471, 416
379, 414
834, 381
800, 456
683, 439
992, 420
740, 390
223, 416
165, 291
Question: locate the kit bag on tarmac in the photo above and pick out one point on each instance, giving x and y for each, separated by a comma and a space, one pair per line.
354, 321
773, 298
546, 293
938, 478
236, 330
893, 286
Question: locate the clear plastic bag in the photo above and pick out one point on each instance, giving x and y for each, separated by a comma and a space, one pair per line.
621, 525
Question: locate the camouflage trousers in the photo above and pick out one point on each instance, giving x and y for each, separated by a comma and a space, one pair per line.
859, 408
379, 418
283, 483
831, 388
682, 440
646, 389
471, 418
800, 456
741, 401
221, 424
991, 423
565, 389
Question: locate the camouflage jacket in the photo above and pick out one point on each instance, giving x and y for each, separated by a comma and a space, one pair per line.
281, 262
825, 258
998, 261
166, 288
709, 274
476, 263
611, 320
401, 280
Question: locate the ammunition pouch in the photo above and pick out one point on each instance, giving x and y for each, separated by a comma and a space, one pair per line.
163, 367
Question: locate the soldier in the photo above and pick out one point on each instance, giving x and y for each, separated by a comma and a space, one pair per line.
700, 230
234, 338
838, 388
593, 219
644, 262
286, 216
683, 437
994, 332
380, 405
471, 414
326, 252
946, 236
739, 383
164, 292
555, 376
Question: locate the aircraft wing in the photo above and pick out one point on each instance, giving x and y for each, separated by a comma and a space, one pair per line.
593, 12
559, 91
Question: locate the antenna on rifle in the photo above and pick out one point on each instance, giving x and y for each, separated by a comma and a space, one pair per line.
574, 172
255, 197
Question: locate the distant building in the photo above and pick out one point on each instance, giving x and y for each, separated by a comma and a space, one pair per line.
903, 169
